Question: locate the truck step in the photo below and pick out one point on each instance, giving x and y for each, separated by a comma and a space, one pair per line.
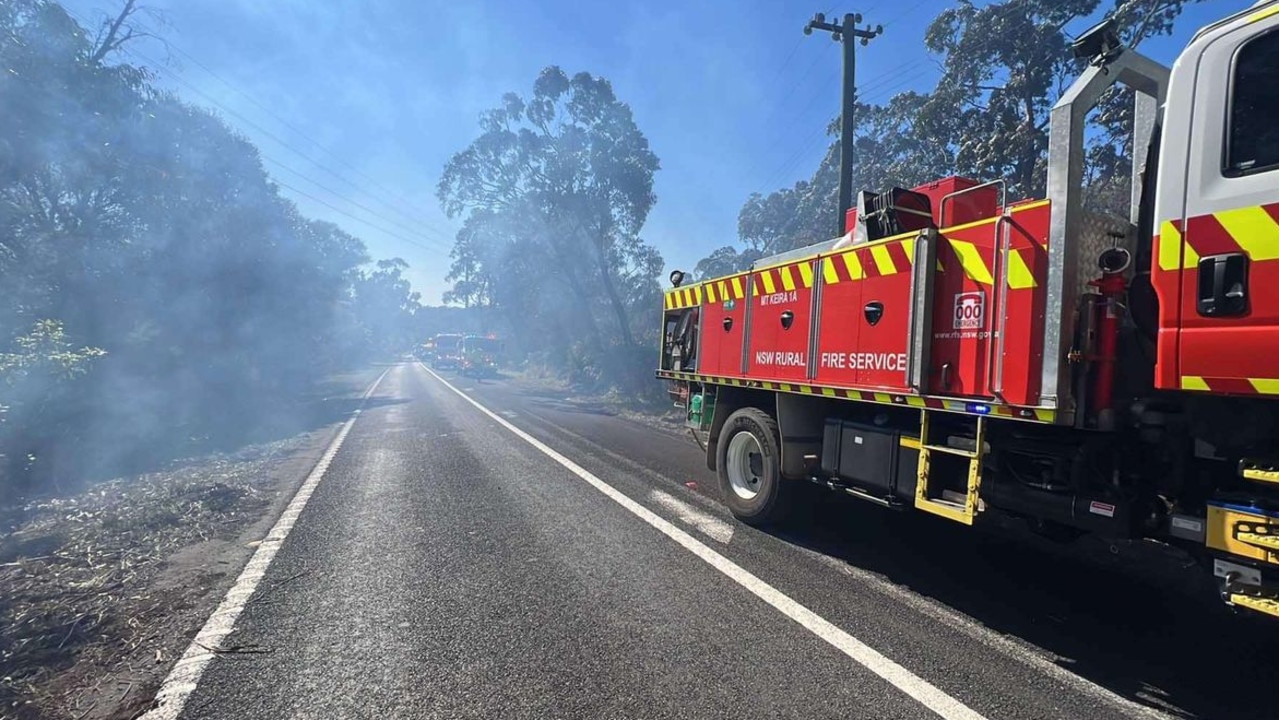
1266, 541
1261, 472
950, 450
948, 509
1269, 606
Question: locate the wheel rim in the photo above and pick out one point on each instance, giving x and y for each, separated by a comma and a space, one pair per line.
745, 465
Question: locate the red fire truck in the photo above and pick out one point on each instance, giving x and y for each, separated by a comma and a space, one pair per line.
970, 355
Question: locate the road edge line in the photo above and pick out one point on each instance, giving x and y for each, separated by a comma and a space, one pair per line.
185, 675
922, 691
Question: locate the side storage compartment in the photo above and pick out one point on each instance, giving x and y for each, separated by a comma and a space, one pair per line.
781, 312
873, 459
723, 326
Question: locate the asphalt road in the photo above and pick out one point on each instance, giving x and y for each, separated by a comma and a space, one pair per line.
446, 567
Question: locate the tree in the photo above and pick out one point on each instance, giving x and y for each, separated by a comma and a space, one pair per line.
568, 168
385, 303
133, 222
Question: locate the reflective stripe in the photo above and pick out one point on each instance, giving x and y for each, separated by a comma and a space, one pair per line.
1265, 386
854, 266
1253, 229
828, 271
806, 274
1194, 382
1019, 275
1263, 14
788, 280
970, 259
1169, 246
883, 261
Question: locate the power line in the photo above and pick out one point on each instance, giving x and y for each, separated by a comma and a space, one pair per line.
340, 211
813, 141
271, 136
289, 147
786, 63
361, 206
274, 137
795, 86
296, 131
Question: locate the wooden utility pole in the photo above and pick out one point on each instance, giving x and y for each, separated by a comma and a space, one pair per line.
848, 33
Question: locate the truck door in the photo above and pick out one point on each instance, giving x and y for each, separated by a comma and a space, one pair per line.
1229, 256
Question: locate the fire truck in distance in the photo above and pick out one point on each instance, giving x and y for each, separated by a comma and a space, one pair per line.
970, 355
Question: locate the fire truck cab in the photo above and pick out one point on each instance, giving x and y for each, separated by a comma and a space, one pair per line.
967, 354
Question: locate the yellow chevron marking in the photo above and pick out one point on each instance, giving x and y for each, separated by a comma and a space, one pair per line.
722, 288
1030, 206
1193, 382
828, 392
1169, 246
970, 260
806, 389
883, 397
828, 271
697, 295
1254, 230
766, 279
738, 292
883, 261
1019, 275
806, 274
1265, 386
854, 266
1263, 14
710, 292
666, 300
916, 401
788, 280
1045, 415
909, 247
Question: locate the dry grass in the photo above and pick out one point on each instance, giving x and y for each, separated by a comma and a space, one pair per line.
78, 572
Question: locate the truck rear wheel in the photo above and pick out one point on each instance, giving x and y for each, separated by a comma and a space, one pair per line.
749, 467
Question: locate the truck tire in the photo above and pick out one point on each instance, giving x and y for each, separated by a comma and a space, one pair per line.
749, 467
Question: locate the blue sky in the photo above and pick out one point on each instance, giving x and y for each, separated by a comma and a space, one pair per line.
357, 105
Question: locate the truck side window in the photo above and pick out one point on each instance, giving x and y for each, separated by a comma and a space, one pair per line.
1254, 105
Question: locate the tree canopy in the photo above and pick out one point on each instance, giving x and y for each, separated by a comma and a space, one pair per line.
554, 193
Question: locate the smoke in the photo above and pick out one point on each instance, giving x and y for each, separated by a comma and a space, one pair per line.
160, 296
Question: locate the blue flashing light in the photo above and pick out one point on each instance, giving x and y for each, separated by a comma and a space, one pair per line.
978, 408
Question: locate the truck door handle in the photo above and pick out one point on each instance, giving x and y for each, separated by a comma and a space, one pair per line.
1223, 285
788, 317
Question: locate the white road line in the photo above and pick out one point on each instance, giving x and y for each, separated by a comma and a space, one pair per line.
992, 639
927, 694
184, 676
709, 525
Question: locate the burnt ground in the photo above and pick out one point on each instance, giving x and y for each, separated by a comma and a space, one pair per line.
104, 586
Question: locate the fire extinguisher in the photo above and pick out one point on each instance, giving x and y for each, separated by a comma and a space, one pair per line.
1110, 311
